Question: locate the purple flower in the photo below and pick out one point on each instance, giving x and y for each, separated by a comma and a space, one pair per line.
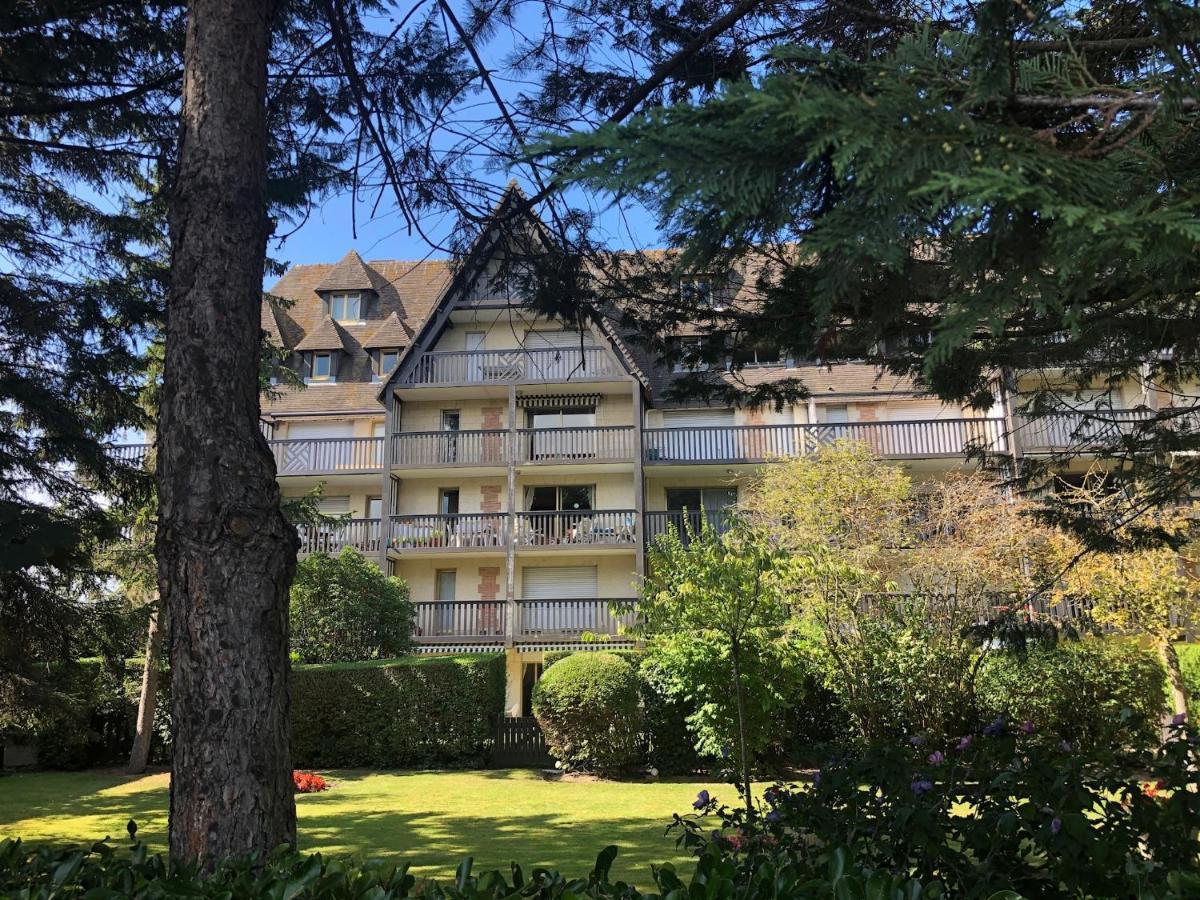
996, 728
1055, 825
1027, 726
773, 816
937, 756
702, 800
1178, 718
964, 742
921, 786
916, 740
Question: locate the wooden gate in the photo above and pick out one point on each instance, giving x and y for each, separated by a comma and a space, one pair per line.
520, 744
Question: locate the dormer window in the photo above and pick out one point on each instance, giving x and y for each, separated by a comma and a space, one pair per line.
385, 362
346, 306
699, 292
322, 367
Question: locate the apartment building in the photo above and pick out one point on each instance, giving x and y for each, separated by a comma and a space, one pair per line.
513, 471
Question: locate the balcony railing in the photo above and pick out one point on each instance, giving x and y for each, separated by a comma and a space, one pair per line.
319, 456
685, 521
1077, 430
448, 532
465, 367
132, 455
450, 448
482, 621
361, 534
558, 619
927, 438
581, 528
565, 445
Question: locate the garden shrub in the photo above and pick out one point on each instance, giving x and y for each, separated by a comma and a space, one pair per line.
589, 706
343, 609
415, 712
1091, 693
1189, 662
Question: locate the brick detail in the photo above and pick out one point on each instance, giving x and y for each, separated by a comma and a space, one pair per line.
489, 498
868, 412
493, 417
489, 582
754, 416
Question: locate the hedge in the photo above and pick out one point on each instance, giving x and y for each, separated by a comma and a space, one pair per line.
415, 711
589, 706
407, 713
1089, 692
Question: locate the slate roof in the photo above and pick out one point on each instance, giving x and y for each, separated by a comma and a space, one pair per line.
390, 334
326, 336
350, 274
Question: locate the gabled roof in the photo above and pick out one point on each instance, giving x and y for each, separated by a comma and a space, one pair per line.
390, 334
326, 336
270, 324
350, 274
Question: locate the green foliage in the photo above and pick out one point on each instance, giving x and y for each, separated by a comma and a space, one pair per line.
343, 608
415, 712
1094, 693
1002, 810
589, 706
1189, 662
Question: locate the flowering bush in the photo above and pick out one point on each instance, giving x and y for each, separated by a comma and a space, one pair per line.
309, 782
1009, 808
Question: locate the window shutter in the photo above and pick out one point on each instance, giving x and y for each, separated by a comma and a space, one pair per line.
558, 582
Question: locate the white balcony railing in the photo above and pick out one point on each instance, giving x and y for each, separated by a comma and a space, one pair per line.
564, 445
467, 367
458, 531
580, 528
320, 456
361, 534
450, 448
558, 619
478, 621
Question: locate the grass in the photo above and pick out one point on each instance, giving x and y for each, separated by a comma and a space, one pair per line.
431, 819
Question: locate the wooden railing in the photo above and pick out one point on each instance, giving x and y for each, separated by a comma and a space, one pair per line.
685, 521
315, 456
457, 367
450, 448
550, 619
132, 455
1077, 430
558, 445
361, 534
577, 528
477, 620
448, 532
756, 443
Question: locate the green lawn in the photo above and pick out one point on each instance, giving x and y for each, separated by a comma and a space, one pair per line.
431, 819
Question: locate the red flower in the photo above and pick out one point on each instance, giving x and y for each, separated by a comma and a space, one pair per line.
308, 782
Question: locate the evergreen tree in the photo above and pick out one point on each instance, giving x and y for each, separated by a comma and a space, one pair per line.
962, 199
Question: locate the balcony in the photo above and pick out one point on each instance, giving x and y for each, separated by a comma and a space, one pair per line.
437, 449
542, 620
327, 456
923, 439
471, 367
612, 443
461, 621
685, 521
460, 531
577, 528
1079, 431
361, 534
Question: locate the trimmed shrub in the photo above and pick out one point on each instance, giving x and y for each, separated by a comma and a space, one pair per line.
589, 706
1093, 693
1189, 662
415, 712
344, 609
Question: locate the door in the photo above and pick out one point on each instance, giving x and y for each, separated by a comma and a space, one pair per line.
702, 435
445, 584
475, 367
451, 420
449, 525
559, 511
689, 505
373, 528
311, 447
559, 599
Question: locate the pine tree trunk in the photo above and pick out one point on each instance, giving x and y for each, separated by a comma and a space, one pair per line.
226, 555
139, 756
1170, 658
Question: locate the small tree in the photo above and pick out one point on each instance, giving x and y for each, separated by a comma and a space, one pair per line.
343, 608
716, 615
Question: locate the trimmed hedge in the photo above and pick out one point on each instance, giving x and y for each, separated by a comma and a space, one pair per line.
407, 713
1090, 692
1189, 662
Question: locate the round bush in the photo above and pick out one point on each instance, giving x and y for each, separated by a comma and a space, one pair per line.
588, 706
1094, 693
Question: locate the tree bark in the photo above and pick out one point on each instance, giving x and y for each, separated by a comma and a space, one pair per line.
743, 761
226, 554
139, 755
1170, 658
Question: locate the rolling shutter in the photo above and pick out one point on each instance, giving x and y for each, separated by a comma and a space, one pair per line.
314, 430
334, 506
540, 340
707, 439
697, 418
558, 583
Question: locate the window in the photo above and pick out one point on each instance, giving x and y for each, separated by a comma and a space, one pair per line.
345, 307
374, 507
322, 367
448, 501
549, 497
758, 354
564, 417
710, 499
691, 351
838, 414
387, 361
699, 292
